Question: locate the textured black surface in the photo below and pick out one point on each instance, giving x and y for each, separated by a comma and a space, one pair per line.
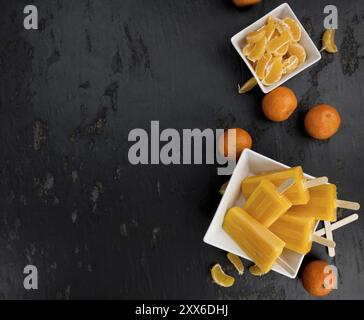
97, 227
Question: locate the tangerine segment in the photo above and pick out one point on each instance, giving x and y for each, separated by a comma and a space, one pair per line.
270, 27
282, 50
283, 27
236, 262
328, 41
276, 43
297, 50
255, 271
220, 277
248, 49
255, 36
274, 71
258, 51
290, 64
262, 65
247, 86
294, 28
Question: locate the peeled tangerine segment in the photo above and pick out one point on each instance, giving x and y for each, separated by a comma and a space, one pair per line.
276, 43
262, 65
290, 64
282, 50
294, 27
258, 51
256, 36
274, 72
297, 50
283, 27
236, 262
270, 27
248, 49
255, 271
220, 277
258, 242
328, 41
247, 86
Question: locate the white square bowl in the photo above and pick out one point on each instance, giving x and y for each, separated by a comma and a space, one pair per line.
250, 163
283, 11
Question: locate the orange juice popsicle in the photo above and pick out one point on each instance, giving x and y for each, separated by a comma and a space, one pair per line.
258, 242
298, 194
298, 232
266, 204
323, 204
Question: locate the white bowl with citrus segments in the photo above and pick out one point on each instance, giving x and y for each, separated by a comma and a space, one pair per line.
276, 48
250, 163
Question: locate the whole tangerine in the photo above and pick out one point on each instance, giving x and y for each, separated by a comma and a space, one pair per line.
322, 121
243, 3
232, 149
279, 104
318, 278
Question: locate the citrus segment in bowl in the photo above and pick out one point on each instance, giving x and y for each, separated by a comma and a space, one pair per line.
276, 43
294, 28
282, 50
255, 36
262, 65
297, 50
258, 50
274, 71
290, 64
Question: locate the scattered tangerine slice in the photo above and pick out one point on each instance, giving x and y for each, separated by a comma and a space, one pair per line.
258, 51
247, 86
328, 41
297, 50
220, 277
256, 36
294, 27
262, 65
270, 27
223, 188
276, 43
274, 71
282, 50
236, 262
290, 64
248, 49
255, 271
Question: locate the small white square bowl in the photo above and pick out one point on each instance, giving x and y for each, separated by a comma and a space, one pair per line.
283, 11
250, 163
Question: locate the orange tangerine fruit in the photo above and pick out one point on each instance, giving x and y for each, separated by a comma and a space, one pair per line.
243, 3
233, 142
294, 27
247, 86
274, 71
322, 121
248, 49
256, 36
290, 64
262, 65
282, 50
258, 51
279, 104
236, 262
276, 43
220, 277
328, 41
297, 50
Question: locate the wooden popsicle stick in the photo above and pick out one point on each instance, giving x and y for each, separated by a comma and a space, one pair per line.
339, 224
285, 185
329, 236
285, 266
347, 205
323, 241
315, 182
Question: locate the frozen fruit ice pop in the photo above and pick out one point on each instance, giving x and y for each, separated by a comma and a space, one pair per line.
298, 232
298, 194
266, 204
257, 241
323, 204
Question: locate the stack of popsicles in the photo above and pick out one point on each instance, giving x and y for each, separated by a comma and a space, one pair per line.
281, 211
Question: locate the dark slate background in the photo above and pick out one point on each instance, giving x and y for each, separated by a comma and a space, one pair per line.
97, 227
